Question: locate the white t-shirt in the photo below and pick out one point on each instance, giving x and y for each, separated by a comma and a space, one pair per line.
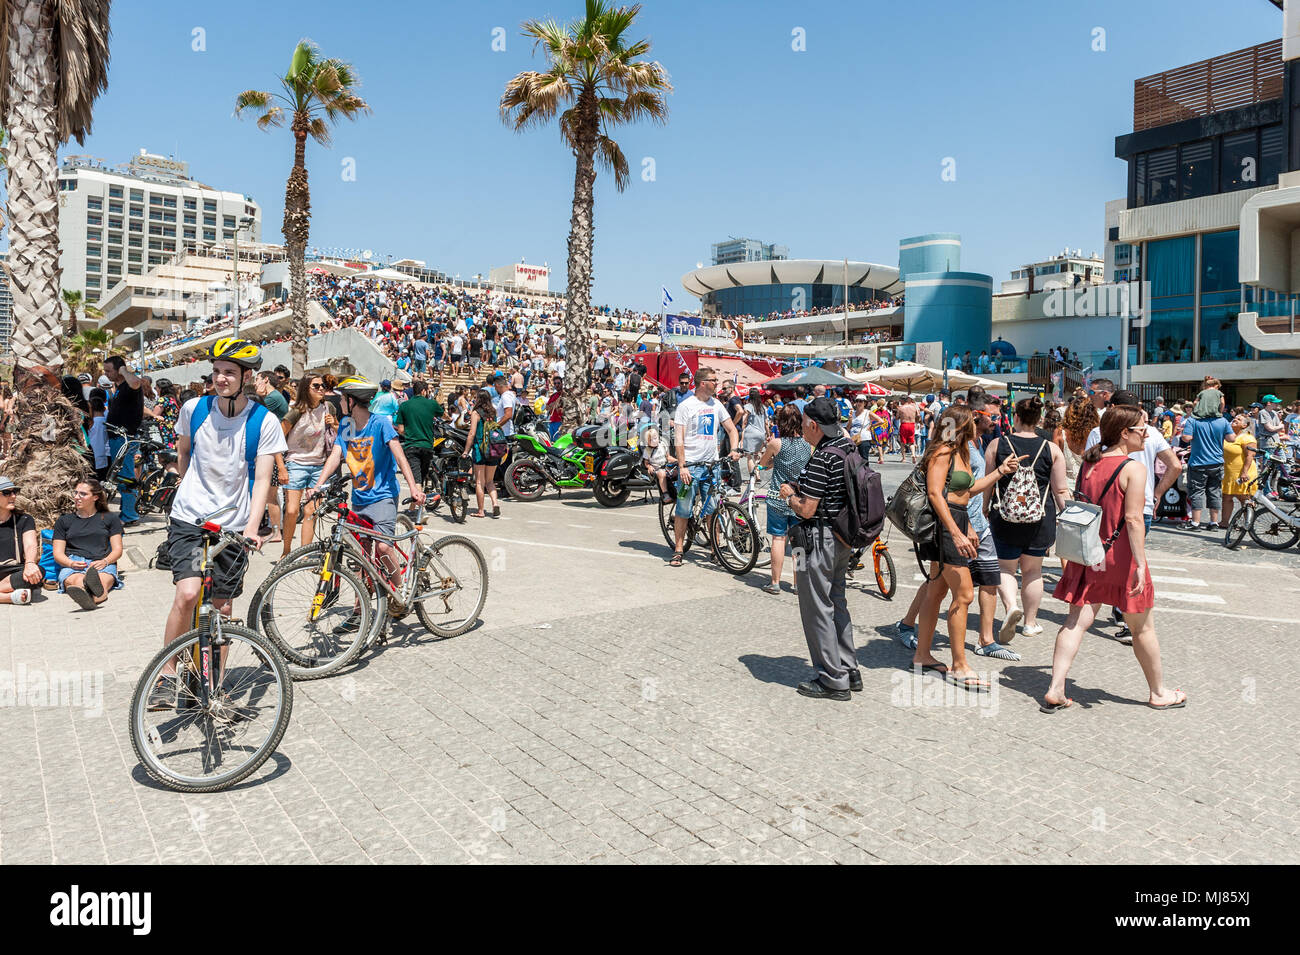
217, 476
858, 424
1152, 445
703, 424
502, 403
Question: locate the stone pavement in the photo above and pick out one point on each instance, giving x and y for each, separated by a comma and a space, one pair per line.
610, 709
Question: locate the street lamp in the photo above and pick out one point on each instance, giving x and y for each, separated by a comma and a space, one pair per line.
243, 223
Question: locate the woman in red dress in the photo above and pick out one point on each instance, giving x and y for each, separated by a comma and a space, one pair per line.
1122, 580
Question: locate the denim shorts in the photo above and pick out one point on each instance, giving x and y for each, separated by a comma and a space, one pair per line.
66, 572
780, 524
698, 472
302, 476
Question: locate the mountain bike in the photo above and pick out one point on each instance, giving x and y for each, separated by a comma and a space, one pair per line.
728, 529
753, 501
882, 565
228, 694
327, 602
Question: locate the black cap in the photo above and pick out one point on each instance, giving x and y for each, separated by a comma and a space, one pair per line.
1125, 399
824, 411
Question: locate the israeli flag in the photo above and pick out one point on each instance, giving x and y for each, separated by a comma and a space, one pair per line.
668, 299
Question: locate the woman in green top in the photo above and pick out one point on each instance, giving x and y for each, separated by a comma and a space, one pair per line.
950, 482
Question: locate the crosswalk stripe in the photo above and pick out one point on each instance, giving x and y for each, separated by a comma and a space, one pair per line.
1191, 598
1184, 581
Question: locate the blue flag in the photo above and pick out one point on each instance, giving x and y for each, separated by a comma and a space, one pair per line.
668, 299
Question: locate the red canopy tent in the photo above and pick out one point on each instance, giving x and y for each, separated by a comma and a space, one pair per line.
663, 368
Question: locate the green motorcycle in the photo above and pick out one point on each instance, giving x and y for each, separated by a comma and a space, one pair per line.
534, 465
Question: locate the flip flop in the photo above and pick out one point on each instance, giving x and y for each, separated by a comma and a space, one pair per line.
1047, 707
1008, 631
1176, 705
997, 651
80, 597
939, 668
971, 684
676, 560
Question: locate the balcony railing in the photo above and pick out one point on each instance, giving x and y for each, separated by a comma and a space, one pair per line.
1252, 75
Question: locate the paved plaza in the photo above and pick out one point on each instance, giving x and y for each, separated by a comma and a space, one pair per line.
609, 708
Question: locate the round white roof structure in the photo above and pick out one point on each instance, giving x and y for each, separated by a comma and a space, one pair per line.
794, 272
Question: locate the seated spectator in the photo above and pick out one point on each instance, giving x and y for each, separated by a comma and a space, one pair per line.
87, 546
20, 549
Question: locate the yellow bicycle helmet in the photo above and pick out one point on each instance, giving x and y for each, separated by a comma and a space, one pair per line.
357, 387
238, 350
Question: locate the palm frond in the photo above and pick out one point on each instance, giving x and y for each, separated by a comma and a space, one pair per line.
81, 47
609, 155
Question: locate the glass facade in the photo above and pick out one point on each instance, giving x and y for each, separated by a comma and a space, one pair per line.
1171, 269
1245, 160
1220, 299
784, 297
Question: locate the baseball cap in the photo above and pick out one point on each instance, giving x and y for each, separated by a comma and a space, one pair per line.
84, 378
1271, 400
386, 384
1125, 398
823, 411
104, 382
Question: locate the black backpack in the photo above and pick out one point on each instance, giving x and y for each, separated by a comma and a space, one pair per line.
162, 558
860, 521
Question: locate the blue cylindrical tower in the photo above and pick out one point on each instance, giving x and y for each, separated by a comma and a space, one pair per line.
936, 252
955, 308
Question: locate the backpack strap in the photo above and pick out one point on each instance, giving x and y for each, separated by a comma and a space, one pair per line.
200, 415
252, 438
1106, 545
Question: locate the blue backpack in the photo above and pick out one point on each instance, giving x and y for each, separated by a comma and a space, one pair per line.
252, 433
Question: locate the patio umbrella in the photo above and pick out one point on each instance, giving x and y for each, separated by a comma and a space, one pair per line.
909, 376
808, 377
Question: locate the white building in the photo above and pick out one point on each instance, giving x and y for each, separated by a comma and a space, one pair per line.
532, 278
119, 221
1064, 270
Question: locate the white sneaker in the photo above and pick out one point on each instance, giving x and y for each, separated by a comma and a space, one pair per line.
1033, 630
20, 597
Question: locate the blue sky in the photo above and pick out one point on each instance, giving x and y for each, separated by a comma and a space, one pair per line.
834, 151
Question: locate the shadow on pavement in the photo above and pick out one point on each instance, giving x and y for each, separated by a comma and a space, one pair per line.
785, 671
281, 762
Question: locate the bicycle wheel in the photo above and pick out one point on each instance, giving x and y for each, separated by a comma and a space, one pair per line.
197, 749
457, 501
455, 579
315, 647
734, 540
1237, 528
886, 575
1269, 530
758, 510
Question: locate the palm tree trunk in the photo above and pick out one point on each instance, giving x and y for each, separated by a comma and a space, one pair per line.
297, 219
581, 237
33, 176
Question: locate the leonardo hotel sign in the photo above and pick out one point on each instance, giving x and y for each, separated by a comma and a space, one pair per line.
532, 276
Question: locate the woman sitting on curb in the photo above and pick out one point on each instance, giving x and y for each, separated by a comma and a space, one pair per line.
87, 546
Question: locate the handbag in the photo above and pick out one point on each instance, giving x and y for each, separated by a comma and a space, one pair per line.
910, 510
1078, 528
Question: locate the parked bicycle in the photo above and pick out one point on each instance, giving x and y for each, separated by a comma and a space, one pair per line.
233, 694
327, 602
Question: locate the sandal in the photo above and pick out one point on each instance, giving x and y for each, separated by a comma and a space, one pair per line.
1047, 707
1178, 703
676, 560
770, 588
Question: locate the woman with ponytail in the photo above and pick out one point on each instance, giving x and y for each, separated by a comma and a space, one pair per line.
1117, 484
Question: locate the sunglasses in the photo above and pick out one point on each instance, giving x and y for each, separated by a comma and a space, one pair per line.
10, 493
317, 386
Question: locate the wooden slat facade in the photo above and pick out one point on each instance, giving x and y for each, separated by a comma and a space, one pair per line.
1252, 75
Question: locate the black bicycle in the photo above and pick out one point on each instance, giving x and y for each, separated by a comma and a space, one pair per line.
213, 704
727, 528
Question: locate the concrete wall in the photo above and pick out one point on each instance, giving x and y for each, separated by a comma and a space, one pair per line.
934, 252
955, 308
1021, 320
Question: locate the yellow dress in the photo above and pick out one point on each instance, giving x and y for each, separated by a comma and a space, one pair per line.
1234, 452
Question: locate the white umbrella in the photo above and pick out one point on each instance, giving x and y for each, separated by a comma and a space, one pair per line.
909, 376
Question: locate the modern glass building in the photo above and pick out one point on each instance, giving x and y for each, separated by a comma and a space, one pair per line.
791, 286
747, 250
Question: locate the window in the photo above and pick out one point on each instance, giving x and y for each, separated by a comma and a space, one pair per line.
92, 281
155, 245
209, 205
210, 220
1220, 299
1271, 154
155, 200
115, 222
114, 270
94, 251
189, 203
228, 234
137, 212
134, 270
94, 218
1139, 181
1162, 176
155, 215
115, 207
169, 217
92, 266
189, 218
137, 195
228, 222
114, 254
1170, 266
1239, 162
209, 235
92, 235
114, 238
169, 202
1195, 167
115, 192
189, 233
94, 202
135, 242
133, 257
67, 185
157, 259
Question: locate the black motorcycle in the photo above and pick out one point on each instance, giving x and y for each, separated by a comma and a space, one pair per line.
620, 473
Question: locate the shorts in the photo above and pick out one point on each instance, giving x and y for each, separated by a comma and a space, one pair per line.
66, 572
944, 549
1012, 552
302, 476
779, 523
687, 502
1205, 485
907, 432
185, 548
15, 574
383, 513
984, 569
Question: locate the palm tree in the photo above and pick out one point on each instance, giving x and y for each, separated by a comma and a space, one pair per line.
54, 64
79, 350
317, 93
593, 74
74, 301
